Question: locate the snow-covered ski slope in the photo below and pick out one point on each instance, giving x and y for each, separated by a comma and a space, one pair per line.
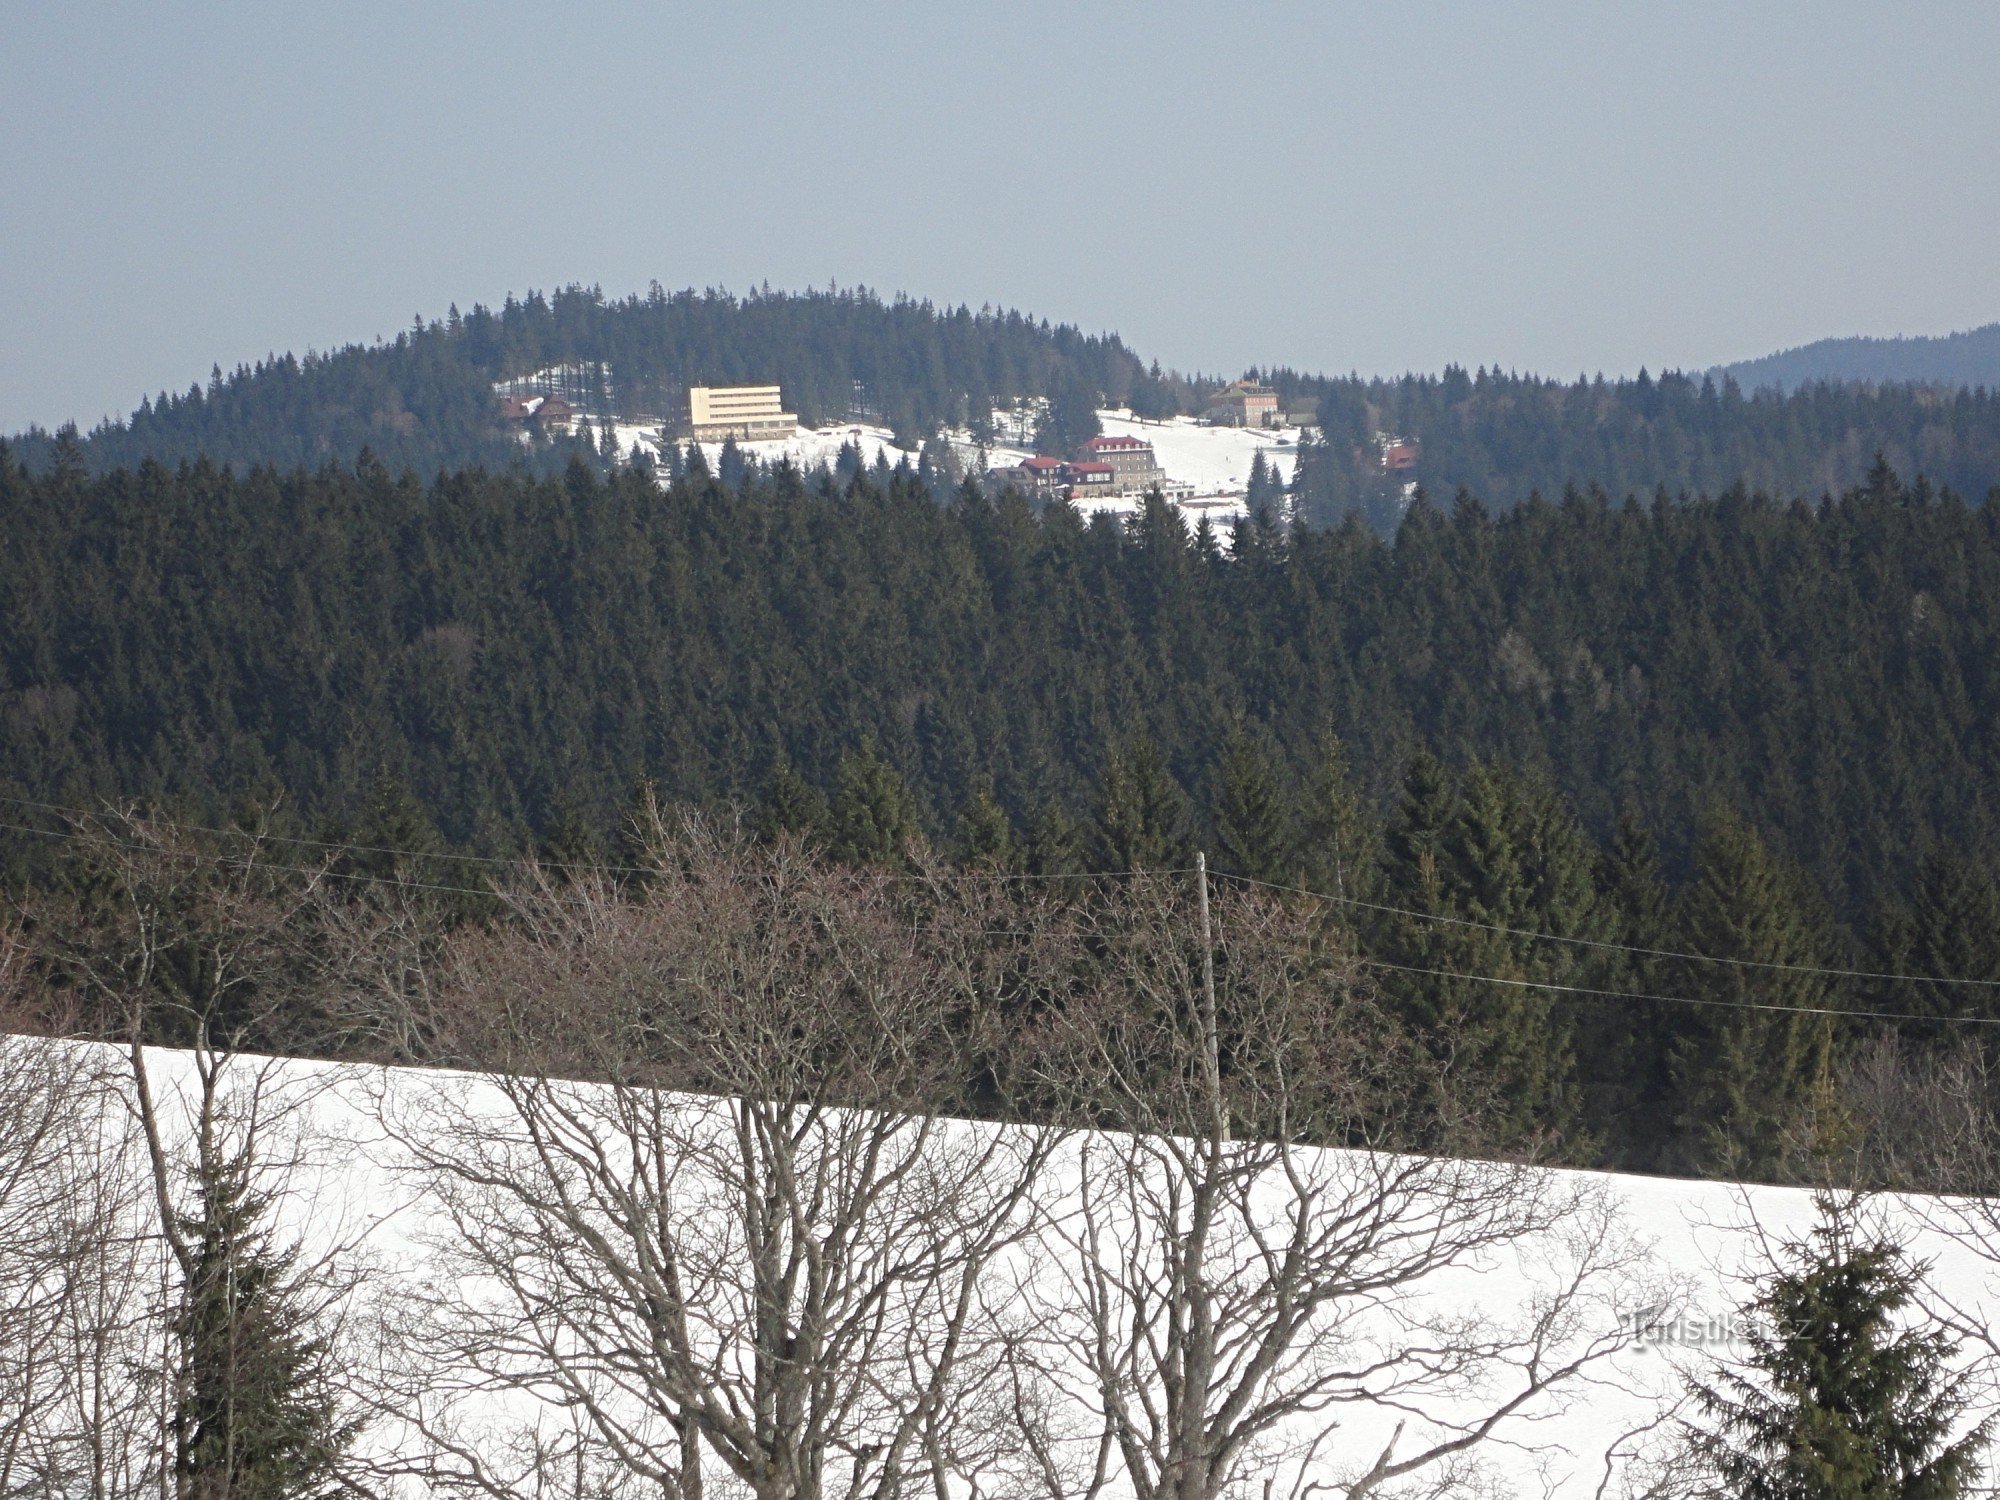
1214, 462
1704, 1237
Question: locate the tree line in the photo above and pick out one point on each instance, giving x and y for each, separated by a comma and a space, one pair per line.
1506, 437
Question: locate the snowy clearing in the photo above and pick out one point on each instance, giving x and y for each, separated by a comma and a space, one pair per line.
358, 1189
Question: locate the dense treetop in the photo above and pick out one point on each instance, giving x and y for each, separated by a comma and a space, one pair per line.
1757, 730
506, 645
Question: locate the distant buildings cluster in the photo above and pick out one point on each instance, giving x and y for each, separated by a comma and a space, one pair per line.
552, 414
1105, 468
1246, 403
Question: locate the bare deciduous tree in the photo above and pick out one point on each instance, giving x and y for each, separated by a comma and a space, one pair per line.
707, 1202
212, 948
1926, 1120
1228, 1292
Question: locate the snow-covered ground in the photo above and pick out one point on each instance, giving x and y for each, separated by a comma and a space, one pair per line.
1707, 1236
1207, 468
807, 448
1215, 460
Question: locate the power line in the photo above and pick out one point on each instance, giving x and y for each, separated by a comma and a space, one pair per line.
1581, 989
1601, 945
72, 835
1582, 942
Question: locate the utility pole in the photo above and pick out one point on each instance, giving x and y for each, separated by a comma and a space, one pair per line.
1210, 1042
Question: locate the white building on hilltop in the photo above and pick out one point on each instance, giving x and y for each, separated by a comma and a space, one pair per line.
748, 413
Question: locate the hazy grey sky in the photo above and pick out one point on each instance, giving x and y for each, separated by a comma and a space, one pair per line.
1558, 186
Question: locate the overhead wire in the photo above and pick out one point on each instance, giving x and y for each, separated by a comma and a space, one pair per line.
1606, 945
401, 882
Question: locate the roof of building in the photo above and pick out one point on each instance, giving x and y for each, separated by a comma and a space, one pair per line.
1117, 444
1040, 464
1089, 467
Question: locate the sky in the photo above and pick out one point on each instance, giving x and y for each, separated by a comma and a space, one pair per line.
1558, 187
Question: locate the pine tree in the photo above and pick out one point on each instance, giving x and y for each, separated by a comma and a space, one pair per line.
255, 1417
1339, 842
1142, 818
1622, 1047
1412, 847
730, 467
1951, 928
985, 834
1510, 858
1255, 827
1841, 1399
1055, 843
790, 804
1751, 1062
872, 818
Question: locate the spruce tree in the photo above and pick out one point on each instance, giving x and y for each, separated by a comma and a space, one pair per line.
1951, 928
1255, 826
790, 804
730, 466
1142, 818
1842, 1397
1622, 1046
985, 834
1412, 845
1054, 844
872, 818
1754, 1058
255, 1417
1339, 841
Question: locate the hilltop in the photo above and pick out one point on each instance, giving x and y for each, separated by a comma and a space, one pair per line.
434, 400
1967, 359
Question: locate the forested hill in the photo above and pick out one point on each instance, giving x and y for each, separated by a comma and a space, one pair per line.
1493, 720
1970, 358
521, 651
1504, 437
426, 400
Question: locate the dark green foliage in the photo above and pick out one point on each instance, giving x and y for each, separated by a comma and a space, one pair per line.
254, 1416
1071, 418
1256, 828
489, 664
1951, 925
426, 400
1338, 836
1142, 814
1623, 1046
790, 804
1498, 858
985, 834
1746, 1074
1842, 1397
1055, 843
872, 819
1507, 437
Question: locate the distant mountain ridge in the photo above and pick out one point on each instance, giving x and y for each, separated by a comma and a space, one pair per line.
1969, 358
431, 402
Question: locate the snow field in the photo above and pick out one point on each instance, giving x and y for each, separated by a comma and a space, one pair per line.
1679, 1255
